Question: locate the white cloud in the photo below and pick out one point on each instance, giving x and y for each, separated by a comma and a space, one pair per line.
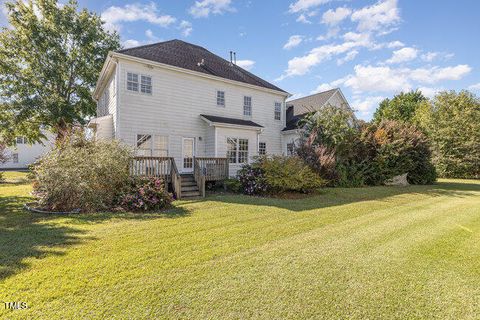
301, 65
403, 55
475, 87
378, 17
303, 19
331, 33
130, 43
202, 9
151, 37
246, 64
395, 44
186, 28
114, 16
304, 5
367, 105
429, 56
348, 57
334, 17
385, 79
322, 87
430, 92
293, 41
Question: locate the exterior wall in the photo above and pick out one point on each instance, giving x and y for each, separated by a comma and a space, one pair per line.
337, 101
174, 107
27, 154
104, 127
290, 137
107, 104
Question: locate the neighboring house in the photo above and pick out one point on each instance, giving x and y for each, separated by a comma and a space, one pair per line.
24, 154
297, 109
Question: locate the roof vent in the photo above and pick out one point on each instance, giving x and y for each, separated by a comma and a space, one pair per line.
201, 63
233, 58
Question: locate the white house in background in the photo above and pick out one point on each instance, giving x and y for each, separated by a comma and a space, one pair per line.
24, 154
297, 109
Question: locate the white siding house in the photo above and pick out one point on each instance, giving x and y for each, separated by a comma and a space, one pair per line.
23, 154
206, 107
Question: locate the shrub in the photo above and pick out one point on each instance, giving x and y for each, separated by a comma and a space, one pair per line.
3, 158
278, 174
284, 174
398, 148
233, 185
252, 179
320, 159
81, 174
145, 194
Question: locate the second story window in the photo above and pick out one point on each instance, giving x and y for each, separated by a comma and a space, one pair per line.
132, 82
15, 157
247, 106
146, 86
220, 98
278, 111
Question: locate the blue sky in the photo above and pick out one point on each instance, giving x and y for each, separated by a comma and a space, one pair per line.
370, 49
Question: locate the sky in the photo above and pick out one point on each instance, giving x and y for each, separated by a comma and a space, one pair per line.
370, 49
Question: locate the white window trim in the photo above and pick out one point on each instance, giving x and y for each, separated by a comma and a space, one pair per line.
139, 83
251, 106
224, 98
274, 110
153, 140
237, 151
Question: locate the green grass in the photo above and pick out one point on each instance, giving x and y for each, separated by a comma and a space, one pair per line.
383, 252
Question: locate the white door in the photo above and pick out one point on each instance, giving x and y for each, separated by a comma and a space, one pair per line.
188, 151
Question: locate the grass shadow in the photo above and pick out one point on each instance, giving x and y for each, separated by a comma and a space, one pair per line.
330, 197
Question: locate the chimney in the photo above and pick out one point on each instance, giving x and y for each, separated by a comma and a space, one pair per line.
289, 113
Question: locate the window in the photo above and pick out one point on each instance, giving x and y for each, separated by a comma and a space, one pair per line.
132, 81
20, 140
146, 86
247, 106
232, 150
290, 149
220, 98
262, 148
278, 111
148, 145
160, 147
144, 144
237, 150
15, 157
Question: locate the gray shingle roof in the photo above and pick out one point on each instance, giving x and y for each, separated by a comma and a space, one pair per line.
187, 56
239, 122
311, 103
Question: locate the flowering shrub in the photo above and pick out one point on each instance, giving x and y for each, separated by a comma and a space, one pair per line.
145, 194
252, 178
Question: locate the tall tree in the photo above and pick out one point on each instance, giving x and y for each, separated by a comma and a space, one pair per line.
50, 58
401, 108
452, 121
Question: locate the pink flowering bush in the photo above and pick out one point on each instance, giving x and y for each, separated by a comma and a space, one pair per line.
252, 179
145, 194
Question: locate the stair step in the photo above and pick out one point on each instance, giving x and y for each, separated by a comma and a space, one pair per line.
187, 189
188, 184
190, 194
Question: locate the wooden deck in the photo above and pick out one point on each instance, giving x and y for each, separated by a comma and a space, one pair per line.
205, 169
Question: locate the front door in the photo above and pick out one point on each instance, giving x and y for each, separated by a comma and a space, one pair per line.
188, 151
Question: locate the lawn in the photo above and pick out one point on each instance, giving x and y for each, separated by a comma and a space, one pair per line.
382, 252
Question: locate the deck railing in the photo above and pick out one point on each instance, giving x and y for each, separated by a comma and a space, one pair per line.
152, 167
199, 177
214, 169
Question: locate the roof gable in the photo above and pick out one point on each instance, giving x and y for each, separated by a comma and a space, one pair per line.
195, 58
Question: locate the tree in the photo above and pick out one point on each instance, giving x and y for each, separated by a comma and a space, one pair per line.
452, 121
50, 58
401, 108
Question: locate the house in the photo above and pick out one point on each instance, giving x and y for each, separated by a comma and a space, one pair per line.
179, 101
297, 110
23, 154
